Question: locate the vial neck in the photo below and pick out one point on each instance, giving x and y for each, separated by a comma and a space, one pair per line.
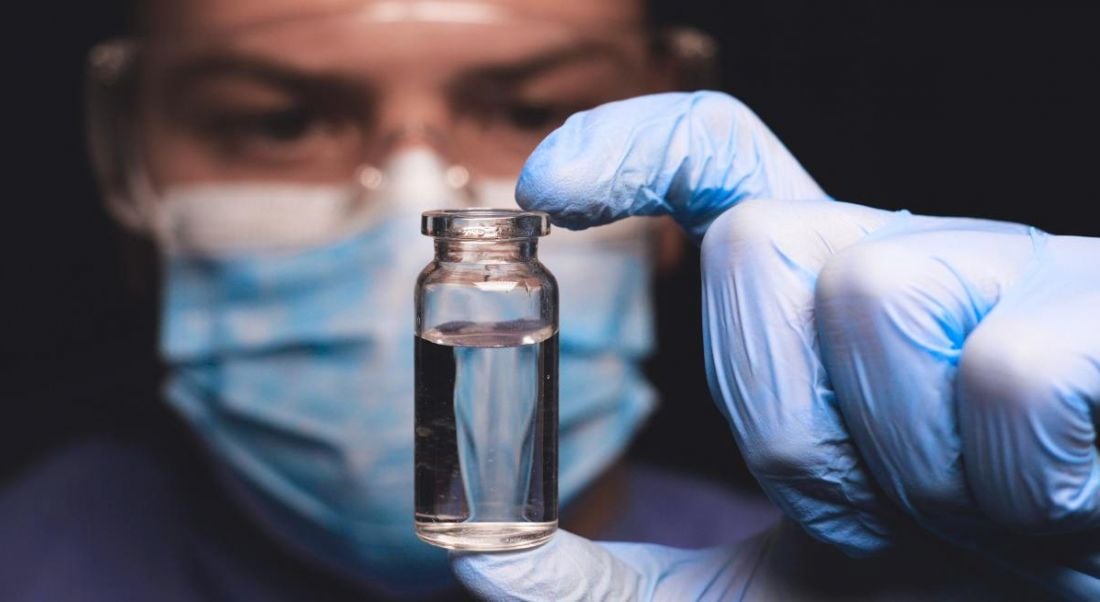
478, 251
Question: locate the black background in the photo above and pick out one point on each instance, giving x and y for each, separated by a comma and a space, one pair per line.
955, 108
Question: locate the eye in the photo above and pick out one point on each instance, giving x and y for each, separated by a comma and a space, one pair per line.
534, 116
284, 125
278, 135
271, 130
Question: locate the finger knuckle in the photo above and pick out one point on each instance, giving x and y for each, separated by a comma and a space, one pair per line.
750, 227
1024, 385
866, 277
1014, 365
941, 491
782, 457
715, 108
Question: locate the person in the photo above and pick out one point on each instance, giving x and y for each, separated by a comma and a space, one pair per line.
918, 394
278, 155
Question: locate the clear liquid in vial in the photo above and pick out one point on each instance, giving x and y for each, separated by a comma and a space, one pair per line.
486, 435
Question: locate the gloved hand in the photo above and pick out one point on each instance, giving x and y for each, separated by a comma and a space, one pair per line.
781, 564
876, 368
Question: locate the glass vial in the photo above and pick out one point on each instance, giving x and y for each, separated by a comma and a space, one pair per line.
486, 383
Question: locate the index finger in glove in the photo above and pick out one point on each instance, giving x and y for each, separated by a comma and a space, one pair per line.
691, 156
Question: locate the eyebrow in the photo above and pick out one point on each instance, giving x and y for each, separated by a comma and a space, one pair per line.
183, 77
510, 74
270, 71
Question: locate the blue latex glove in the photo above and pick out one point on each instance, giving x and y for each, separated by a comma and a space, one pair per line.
875, 367
782, 564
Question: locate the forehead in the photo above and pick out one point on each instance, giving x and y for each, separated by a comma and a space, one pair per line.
394, 44
173, 17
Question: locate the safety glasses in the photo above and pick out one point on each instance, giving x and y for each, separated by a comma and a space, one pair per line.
326, 98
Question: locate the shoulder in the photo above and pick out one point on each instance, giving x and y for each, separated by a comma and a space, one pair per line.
93, 479
680, 510
76, 524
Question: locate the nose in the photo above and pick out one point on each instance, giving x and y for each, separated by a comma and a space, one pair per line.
412, 118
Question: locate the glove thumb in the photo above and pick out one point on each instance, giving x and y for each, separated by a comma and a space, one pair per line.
783, 563
573, 568
568, 567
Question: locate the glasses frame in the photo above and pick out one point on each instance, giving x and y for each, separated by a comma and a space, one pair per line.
111, 97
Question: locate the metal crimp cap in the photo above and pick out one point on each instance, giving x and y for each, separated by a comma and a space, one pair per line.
484, 224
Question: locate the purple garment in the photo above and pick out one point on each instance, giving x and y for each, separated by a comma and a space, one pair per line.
687, 512
106, 522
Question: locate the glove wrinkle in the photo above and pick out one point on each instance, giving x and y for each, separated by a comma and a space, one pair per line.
770, 378
691, 156
876, 369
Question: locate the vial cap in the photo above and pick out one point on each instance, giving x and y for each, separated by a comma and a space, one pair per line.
484, 224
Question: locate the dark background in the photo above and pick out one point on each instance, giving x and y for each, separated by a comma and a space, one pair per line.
956, 108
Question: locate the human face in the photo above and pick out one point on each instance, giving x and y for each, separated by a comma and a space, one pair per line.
315, 91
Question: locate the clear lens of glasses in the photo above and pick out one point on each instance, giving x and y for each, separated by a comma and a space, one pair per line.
326, 99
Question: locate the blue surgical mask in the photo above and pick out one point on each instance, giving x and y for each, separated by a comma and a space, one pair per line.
296, 369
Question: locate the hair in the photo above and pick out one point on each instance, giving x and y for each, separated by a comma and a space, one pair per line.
687, 13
